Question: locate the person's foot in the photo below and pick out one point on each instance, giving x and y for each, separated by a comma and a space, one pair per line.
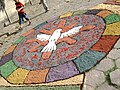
40, 3
1, 43
20, 28
46, 10
29, 24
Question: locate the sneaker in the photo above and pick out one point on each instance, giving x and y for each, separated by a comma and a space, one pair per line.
29, 24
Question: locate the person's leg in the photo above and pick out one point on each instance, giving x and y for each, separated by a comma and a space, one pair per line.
26, 17
40, 2
45, 5
20, 21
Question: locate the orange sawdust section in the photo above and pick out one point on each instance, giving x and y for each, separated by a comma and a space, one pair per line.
10, 49
36, 77
104, 13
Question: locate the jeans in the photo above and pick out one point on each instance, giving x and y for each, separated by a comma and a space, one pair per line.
21, 18
43, 2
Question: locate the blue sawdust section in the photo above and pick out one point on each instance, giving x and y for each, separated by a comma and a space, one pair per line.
88, 59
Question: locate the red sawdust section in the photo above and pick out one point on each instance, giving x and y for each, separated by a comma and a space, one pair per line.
40, 43
105, 43
112, 2
60, 25
27, 33
36, 77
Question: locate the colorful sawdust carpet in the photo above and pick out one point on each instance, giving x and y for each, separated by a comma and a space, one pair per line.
61, 48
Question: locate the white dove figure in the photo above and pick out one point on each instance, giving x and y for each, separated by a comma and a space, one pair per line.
55, 36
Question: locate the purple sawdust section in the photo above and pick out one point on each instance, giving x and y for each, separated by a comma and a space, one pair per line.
94, 12
63, 71
6, 58
64, 52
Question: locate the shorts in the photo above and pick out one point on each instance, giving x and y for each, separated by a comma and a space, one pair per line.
21, 18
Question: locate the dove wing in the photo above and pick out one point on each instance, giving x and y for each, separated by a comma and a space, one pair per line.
43, 37
71, 32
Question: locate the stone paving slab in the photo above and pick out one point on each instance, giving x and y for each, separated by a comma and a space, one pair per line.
94, 78
117, 45
114, 54
115, 77
118, 63
88, 87
105, 65
105, 86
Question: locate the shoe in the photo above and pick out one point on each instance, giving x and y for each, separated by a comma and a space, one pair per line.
1, 43
20, 28
29, 24
40, 3
47, 10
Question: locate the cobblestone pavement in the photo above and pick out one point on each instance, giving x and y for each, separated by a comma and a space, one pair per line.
105, 75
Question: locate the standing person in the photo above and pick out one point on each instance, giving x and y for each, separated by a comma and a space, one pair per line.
43, 2
2, 5
21, 13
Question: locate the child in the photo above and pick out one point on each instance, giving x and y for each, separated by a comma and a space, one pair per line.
21, 13
43, 2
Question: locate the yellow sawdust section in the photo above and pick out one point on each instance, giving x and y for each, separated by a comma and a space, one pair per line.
66, 15
18, 76
113, 8
112, 29
76, 80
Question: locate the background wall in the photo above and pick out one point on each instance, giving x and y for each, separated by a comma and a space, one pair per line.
10, 8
